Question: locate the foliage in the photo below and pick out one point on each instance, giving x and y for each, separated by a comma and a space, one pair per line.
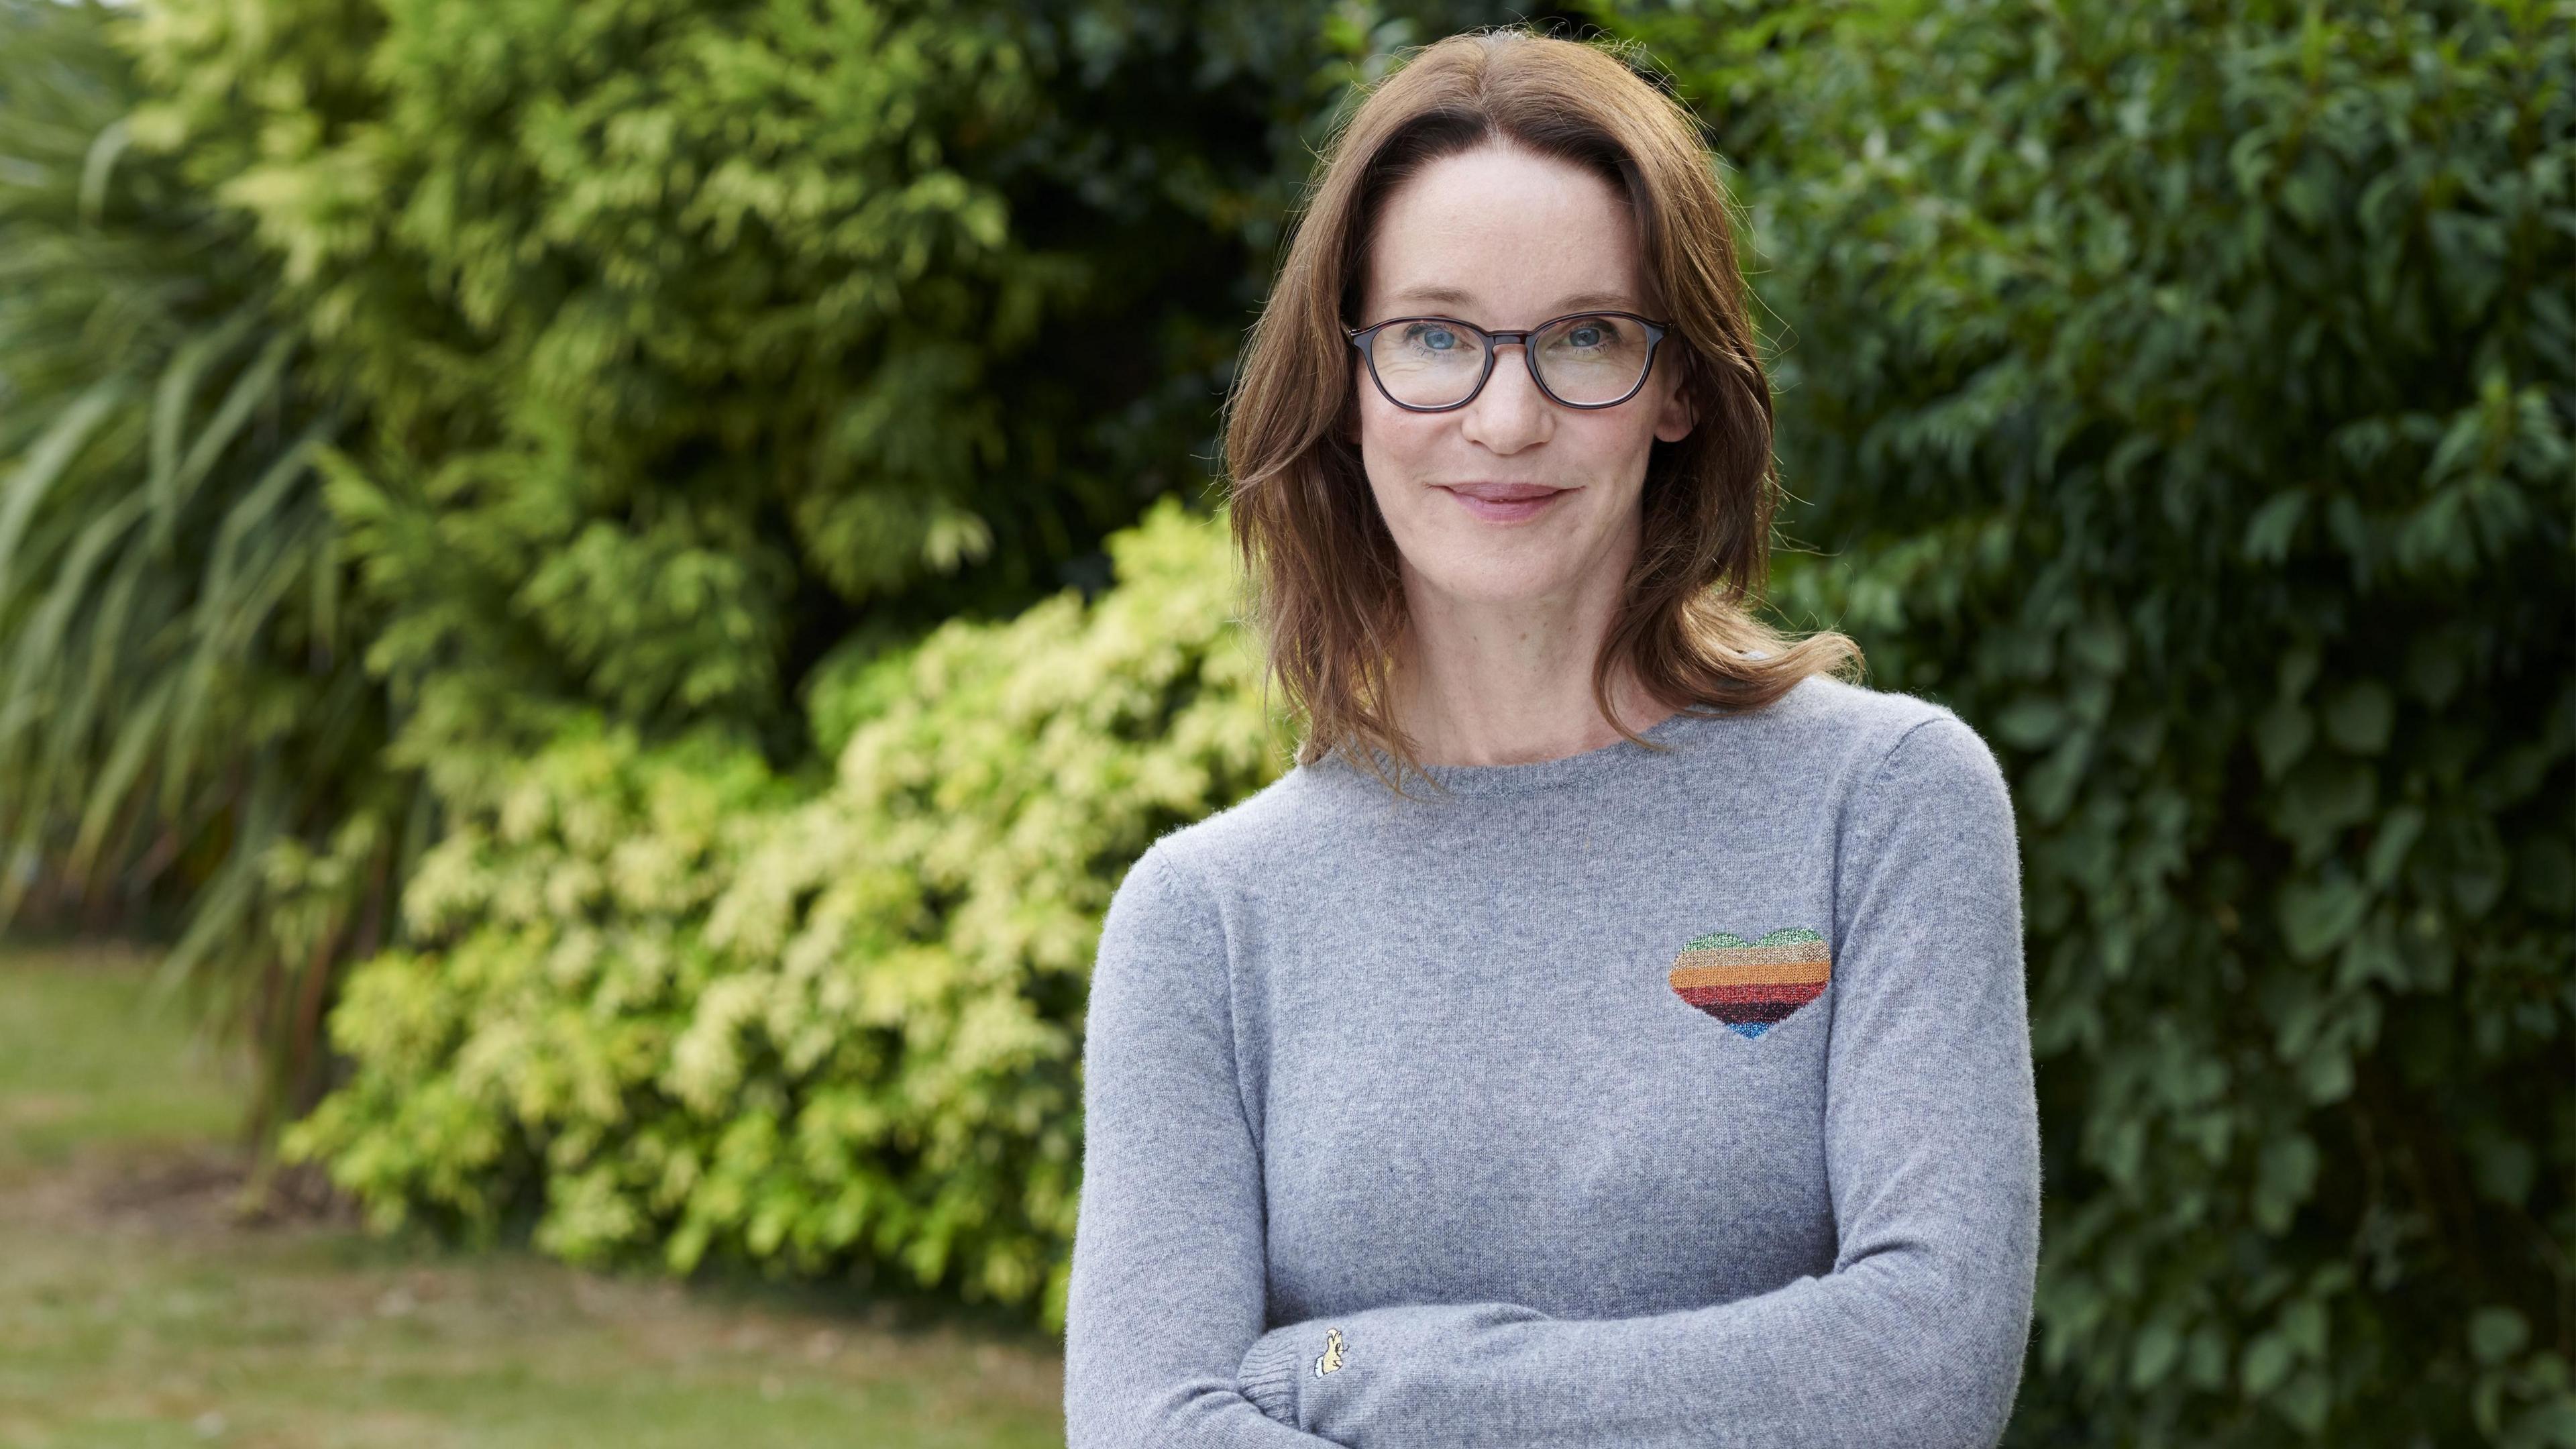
1116, 212
2184, 391
701, 338
184, 726
659, 359
662, 1006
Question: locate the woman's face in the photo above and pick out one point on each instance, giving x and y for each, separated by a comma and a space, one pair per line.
1514, 497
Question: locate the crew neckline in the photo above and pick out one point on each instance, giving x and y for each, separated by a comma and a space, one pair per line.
1577, 768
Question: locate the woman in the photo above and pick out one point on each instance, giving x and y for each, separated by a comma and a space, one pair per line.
1612, 1030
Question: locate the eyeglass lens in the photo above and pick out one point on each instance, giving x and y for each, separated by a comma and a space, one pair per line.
1426, 363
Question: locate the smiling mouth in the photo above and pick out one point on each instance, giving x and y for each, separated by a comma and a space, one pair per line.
1505, 502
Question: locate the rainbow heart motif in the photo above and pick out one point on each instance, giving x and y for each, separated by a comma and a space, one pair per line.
1752, 985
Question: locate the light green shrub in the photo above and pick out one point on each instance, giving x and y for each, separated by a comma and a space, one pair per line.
664, 1003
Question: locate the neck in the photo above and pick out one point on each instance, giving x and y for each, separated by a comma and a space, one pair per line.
1504, 684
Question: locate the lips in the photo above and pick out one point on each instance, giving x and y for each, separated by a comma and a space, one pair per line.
1505, 502
1504, 492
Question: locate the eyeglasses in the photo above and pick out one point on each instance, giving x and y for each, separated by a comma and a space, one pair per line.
1435, 364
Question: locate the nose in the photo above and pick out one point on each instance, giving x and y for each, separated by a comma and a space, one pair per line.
1511, 413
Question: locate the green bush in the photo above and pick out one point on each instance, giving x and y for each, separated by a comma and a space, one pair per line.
655, 360
695, 337
664, 1003
2184, 392
659, 310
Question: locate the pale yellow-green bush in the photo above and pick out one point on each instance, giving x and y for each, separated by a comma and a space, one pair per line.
659, 1005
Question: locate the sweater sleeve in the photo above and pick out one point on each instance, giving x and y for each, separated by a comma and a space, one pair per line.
1916, 1334
1169, 1273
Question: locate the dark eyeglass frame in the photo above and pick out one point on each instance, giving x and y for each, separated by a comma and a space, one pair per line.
1361, 337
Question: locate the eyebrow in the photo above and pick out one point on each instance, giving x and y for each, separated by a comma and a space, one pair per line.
1451, 296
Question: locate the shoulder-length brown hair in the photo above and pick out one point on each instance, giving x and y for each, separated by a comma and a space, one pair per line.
1324, 592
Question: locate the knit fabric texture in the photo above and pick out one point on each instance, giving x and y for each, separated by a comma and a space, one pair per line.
1642, 1097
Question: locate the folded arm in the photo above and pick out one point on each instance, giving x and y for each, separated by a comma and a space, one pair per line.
1169, 1269
1931, 1140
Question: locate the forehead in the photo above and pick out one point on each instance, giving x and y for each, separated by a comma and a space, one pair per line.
1503, 237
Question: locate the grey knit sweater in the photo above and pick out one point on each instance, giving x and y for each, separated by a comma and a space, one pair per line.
1631, 1098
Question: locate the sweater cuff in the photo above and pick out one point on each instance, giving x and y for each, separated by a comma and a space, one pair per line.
1268, 1375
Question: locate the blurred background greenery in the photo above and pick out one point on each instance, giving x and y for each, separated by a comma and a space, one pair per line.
611, 587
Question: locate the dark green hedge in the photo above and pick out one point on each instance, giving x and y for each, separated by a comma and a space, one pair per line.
2184, 391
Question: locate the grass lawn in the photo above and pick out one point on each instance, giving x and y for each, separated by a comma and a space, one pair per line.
137, 1307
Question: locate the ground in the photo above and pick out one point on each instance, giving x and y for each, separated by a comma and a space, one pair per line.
138, 1306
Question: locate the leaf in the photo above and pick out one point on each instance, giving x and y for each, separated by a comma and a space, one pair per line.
2497, 1333
2269, 532
2281, 735
2267, 1362
2158, 1349
2320, 799
2289, 1174
45, 463
171, 400
2032, 722
2394, 837
2049, 790
2359, 716
2315, 916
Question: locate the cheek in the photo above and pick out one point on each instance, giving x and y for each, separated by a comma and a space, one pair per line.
1604, 448
1393, 443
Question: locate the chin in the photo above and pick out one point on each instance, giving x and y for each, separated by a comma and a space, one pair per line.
1507, 580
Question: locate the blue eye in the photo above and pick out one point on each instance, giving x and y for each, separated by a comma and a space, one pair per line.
1437, 338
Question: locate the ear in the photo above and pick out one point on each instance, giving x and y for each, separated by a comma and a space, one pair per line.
1675, 419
